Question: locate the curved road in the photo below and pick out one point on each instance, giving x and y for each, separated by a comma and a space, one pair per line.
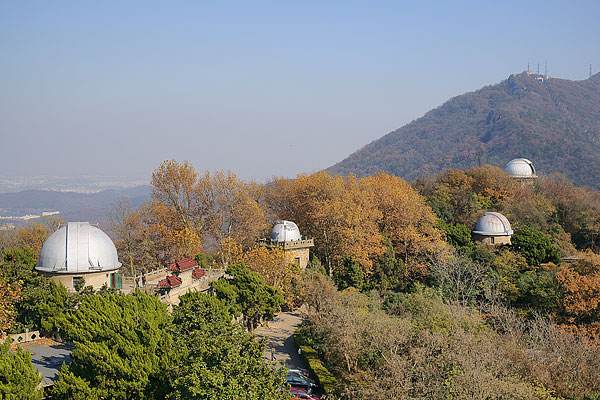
280, 343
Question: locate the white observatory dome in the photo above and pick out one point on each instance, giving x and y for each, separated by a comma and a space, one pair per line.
520, 168
285, 231
76, 248
493, 224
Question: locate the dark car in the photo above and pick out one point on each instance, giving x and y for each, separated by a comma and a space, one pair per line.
299, 380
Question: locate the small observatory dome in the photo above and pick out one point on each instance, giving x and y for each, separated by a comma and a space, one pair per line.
493, 224
520, 168
285, 231
78, 248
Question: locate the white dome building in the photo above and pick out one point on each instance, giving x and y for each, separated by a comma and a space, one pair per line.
79, 253
520, 168
493, 228
285, 235
285, 231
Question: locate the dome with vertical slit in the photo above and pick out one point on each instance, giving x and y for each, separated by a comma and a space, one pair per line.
78, 248
520, 168
493, 224
285, 231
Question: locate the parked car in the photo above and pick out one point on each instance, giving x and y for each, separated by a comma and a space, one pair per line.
300, 371
297, 379
302, 394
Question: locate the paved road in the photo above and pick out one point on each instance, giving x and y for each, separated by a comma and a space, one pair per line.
48, 356
280, 343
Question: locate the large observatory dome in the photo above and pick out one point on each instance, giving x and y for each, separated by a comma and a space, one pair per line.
520, 168
78, 248
493, 224
285, 231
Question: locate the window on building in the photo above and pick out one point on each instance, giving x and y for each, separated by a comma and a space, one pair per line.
78, 282
297, 261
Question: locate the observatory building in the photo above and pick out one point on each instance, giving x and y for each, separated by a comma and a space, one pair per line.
493, 228
286, 236
520, 168
80, 254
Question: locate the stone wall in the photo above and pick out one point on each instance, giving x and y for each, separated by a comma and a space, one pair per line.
23, 337
298, 257
191, 285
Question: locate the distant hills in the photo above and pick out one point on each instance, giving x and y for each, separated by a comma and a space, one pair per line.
93, 207
554, 122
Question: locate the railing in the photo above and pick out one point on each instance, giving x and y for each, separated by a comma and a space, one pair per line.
294, 244
23, 337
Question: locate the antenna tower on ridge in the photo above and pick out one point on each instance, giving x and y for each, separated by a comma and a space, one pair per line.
546, 69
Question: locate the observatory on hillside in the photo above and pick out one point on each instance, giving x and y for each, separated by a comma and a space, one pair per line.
286, 236
520, 168
80, 254
493, 228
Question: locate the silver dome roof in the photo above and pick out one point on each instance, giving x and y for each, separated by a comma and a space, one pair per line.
493, 224
520, 168
285, 231
78, 247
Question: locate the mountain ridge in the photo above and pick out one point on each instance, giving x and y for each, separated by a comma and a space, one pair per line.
94, 207
554, 122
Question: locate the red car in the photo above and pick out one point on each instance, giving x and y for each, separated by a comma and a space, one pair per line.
301, 394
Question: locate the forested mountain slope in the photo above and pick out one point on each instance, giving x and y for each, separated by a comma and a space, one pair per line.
554, 122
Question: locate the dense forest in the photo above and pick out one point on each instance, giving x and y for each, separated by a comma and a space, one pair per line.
400, 301
555, 122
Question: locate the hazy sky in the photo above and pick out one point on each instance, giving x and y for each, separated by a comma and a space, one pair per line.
261, 88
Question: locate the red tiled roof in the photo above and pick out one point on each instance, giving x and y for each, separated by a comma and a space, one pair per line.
198, 273
170, 281
184, 264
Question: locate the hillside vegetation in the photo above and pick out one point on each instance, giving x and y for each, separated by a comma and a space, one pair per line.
554, 122
401, 302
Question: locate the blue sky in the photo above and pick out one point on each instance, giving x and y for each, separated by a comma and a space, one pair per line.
260, 88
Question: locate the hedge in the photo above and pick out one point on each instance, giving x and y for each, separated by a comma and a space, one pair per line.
315, 365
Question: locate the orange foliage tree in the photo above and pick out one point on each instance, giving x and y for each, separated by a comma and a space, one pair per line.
276, 269
580, 283
336, 211
405, 219
9, 295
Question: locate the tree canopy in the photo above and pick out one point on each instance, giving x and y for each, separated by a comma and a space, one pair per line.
18, 377
123, 348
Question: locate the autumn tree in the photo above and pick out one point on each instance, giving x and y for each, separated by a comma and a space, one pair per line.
458, 196
230, 209
276, 269
406, 220
9, 295
175, 207
173, 185
580, 283
577, 209
139, 246
336, 211
32, 236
